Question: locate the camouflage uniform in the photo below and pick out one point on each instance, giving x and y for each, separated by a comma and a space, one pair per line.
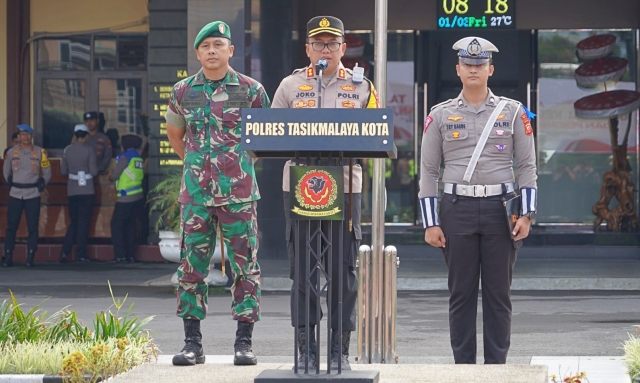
218, 187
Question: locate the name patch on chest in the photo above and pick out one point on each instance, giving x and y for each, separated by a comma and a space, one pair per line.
501, 124
455, 126
304, 94
353, 96
193, 99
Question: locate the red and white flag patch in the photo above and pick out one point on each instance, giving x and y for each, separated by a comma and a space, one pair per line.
427, 121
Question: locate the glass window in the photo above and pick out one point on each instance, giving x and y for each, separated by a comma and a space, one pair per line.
132, 52
63, 103
573, 152
121, 101
104, 54
71, 53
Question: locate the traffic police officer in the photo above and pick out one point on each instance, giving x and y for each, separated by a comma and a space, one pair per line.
128, 175
79, 163
219, 190
99, 141
340, 89
27, 171
471, 227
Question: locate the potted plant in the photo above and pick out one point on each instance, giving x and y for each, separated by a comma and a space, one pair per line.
165, 201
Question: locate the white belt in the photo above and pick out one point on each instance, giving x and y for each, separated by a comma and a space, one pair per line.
477, 190
75, 176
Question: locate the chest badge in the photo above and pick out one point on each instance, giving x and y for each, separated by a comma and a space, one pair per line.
311, 103
305, 87
455, 135
455, 118
500, 147
300, 104
499, 132
348, 88
501, 117
348, 104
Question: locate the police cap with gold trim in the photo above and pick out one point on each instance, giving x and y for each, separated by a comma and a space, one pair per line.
213, 29
325, 24
474, 50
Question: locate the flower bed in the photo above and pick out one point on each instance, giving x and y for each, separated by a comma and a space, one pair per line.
34, 342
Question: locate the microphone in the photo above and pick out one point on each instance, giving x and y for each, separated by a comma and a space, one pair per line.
321, 65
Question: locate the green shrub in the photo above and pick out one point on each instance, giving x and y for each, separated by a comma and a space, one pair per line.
632, 354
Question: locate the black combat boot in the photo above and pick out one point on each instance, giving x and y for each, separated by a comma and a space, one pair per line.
243, 354
8, 258
340, 350
302, 348
63, 257
30, 256
191, 353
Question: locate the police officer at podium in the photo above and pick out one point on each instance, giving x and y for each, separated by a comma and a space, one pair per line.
340, 89
478, 133
27, 171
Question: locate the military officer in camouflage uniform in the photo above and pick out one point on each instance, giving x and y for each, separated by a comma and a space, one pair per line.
471, 226
219, 189
325, 40
99, 141
27, 171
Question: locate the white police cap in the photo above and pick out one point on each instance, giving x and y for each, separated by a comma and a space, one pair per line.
81, 128
474, 50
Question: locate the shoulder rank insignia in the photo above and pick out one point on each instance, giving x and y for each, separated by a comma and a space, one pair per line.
341, 73
305, 87
309, 72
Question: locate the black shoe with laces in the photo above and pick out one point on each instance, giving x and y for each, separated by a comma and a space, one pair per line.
243, 354
192, 353
340, 351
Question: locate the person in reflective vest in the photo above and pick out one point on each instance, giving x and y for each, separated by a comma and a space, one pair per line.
128, 175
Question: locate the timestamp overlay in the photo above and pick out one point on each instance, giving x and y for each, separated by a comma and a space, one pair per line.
486, 14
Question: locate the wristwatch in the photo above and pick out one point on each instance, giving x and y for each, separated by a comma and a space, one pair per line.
531, 215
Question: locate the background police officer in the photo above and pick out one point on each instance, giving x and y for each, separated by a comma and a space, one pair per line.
128, 175
97, 140
27, 171
325, 40
219, 190
472, 227
79, 163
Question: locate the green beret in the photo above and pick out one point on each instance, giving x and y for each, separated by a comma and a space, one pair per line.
213, 29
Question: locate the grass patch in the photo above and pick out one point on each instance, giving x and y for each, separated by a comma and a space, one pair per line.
632, 354
34, 342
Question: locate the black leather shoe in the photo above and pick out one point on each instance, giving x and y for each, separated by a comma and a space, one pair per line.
302, 349
192, 353
63, 258
243, 354
7, 260
84, 259
30, 257
340, 351
118, 260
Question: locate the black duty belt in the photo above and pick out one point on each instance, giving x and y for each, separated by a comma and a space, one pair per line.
24, 186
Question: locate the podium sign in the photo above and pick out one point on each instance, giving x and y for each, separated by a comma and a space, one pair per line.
318, 193
285, 133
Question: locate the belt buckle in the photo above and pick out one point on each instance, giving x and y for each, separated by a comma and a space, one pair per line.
479, 190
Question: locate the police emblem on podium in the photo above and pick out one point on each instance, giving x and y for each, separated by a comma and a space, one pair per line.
319, 193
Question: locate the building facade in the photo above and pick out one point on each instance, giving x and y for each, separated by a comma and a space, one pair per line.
121, 58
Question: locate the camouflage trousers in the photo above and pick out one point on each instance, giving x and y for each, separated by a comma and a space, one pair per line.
199, 226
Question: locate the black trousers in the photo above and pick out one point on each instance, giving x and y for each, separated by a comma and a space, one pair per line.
80, 210
31, 208
351, 244
478, 247
123, 228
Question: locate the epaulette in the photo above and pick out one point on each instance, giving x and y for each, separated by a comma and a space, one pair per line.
299, 70
441, 104
518, 103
